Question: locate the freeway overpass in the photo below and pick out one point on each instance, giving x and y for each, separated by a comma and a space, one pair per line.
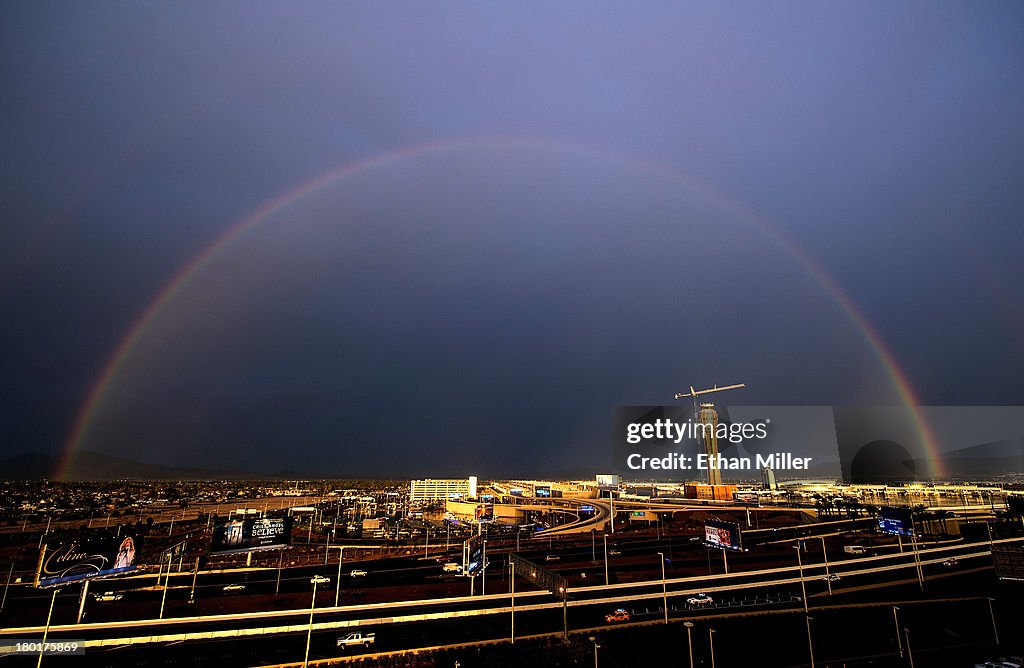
586, 606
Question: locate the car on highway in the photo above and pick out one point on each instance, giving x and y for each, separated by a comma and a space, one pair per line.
700, 599
831, 577
234, 587
356, 639
108, 597
952, 562
614, 553
320, 580
552, 557
619, 615
357, 573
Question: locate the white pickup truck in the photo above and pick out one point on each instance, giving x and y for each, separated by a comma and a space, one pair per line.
357, 638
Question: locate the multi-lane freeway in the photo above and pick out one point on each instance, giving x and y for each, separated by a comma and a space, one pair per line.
266, 636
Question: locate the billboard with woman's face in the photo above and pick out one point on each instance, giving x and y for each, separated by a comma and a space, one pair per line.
72, 562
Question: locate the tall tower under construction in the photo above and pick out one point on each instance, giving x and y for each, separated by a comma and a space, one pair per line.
708, 417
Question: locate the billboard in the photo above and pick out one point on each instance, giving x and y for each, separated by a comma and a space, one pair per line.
895, 521
251, 534
473, 556
748, 498
485, 512
724, 535
1015, 505
76, 561
542, 490
1009, 561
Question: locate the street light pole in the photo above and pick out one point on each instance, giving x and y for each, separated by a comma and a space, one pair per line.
163, 598
824, 553
596, 647
689, 640
81, 603
664, 589
195, 577
337, 585
917, 559
309, 630
606, 560
46, 630
512, 586
10, 573
280, 563
565, 614
611, 496
910, 653
899, 638
992, 614
711, 641
810, 642
800, 565
803, 590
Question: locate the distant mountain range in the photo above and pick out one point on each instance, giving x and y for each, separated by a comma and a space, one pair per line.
95, 466
988, 460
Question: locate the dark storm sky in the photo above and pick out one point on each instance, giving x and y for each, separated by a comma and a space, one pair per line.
597, 224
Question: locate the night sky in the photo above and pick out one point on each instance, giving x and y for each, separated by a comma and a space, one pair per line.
526, 215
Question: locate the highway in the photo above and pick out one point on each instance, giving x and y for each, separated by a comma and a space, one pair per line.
482, 616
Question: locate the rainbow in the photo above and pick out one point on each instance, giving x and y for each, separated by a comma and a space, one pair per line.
144, 322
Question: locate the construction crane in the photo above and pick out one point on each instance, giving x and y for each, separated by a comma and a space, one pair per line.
695, 393
707, 415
